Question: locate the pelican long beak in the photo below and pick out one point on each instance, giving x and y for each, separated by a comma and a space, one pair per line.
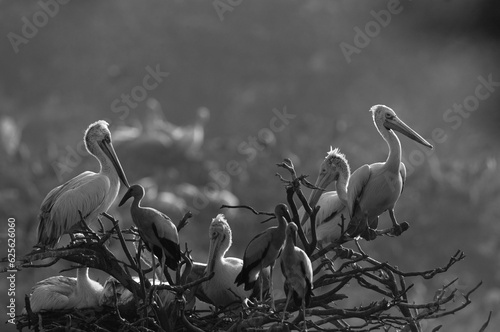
398, 125
323, 181
212, 253
108, 149
127, 195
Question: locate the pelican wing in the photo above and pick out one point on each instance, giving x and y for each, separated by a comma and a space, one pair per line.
330, 206
52, 293
59, 212
55, 193
357, 183
60, 284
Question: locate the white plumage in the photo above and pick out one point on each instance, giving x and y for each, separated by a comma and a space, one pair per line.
90, 193
334, 168
221, 289
61, 292
375, 188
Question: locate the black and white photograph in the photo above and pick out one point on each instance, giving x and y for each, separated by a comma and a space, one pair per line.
238, 165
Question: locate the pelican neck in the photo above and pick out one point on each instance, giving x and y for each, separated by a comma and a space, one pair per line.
394, 157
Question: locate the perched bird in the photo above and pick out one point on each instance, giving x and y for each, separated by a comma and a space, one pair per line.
263, 250
374, 189
60, 292
156, 230
334, 168
297, 270
90, 193
220, 289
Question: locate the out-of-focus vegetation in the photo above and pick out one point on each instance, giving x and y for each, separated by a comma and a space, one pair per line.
263, 56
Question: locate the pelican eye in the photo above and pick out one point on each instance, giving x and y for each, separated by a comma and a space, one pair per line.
389, 116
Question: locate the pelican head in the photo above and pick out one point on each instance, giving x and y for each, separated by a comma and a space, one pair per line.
385, 118
281, 211
220, 240
333, 168
98, 139
136, 191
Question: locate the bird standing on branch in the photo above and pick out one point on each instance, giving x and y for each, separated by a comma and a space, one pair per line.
89, 193
156, 230
220, 289
374, 189
297, 270
334, 168
263, 250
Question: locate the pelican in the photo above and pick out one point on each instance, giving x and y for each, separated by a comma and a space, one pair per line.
374, 189
297, 270
263, 250
221, 289
156, 230
60, 292
332, 203
90, 193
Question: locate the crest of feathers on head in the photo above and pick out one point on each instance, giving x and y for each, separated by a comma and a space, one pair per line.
338, 159
220, 222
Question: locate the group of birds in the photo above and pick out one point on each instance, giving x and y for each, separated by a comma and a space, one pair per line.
360, 198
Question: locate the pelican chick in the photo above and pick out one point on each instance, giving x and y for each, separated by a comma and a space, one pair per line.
221, 289
334, 168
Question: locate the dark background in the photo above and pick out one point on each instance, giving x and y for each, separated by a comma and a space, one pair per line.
263, 55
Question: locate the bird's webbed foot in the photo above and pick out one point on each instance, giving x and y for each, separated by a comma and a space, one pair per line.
370, 234
399, 229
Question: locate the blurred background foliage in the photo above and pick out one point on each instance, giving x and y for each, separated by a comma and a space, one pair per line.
263, 56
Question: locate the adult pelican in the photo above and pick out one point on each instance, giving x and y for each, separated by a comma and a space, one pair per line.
90, 193
334, 168
220, 289
60, 292
263, 250
297, 270
156, 230
374, 189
